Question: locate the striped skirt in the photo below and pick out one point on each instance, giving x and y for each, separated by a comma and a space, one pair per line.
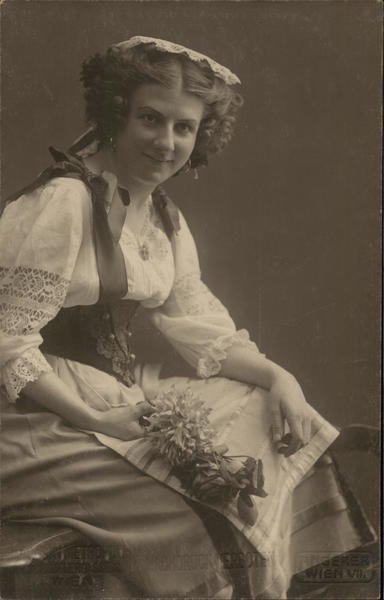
124, 496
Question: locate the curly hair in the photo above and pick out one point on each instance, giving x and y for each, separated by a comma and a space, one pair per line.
110, 79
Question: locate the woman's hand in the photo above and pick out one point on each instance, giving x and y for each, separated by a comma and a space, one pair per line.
119, 422
123, 422
286, 399
287, 402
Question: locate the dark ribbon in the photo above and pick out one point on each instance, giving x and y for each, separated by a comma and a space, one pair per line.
110, 260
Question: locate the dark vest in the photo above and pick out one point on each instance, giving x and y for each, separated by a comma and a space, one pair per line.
99, 335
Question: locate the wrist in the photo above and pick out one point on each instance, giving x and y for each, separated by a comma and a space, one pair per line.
279, 375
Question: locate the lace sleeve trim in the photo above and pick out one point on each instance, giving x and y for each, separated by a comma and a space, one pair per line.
23, 369
29, 298
210, 363
194, 297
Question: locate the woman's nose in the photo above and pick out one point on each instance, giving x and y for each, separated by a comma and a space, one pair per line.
165, 139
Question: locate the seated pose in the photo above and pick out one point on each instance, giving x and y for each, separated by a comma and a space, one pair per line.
85, 244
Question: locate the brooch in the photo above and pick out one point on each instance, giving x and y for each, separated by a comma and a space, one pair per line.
144, 251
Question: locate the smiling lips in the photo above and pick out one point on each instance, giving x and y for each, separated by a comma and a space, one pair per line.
157, 159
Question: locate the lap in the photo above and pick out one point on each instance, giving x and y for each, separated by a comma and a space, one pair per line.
56, 474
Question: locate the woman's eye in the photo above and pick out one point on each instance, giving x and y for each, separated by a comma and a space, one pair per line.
149, 119
184, 128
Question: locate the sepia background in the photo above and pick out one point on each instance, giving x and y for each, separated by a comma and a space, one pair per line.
287, 219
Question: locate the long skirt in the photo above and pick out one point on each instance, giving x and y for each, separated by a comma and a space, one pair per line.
125, 498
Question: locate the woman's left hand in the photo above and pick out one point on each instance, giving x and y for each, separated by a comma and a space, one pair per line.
287, 402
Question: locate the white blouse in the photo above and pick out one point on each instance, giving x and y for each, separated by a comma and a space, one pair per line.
47, 261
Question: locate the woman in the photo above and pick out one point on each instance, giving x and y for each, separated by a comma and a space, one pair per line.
82, 246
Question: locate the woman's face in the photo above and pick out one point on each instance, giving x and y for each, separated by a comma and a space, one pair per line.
159, 136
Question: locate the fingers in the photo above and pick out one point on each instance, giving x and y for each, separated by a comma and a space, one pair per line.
124, 422
144, 422
307, 430
143, 408
277, 424
300, 433
136, 431
293, 441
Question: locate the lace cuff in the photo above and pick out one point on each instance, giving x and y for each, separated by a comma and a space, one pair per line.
19, 371
210, 363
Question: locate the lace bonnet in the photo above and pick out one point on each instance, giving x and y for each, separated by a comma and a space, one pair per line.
164, 46
87, 144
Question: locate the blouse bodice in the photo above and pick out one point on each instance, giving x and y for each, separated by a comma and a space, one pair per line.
48, 261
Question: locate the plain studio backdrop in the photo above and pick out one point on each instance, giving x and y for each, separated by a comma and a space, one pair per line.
287, 218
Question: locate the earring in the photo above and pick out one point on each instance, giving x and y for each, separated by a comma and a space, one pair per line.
196, 175
187, 167
112, 143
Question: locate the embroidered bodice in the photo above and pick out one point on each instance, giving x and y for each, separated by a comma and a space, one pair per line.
48, 261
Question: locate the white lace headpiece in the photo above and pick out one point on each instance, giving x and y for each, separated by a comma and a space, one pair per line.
165, 46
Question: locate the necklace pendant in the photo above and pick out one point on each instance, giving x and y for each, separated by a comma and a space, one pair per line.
144, 251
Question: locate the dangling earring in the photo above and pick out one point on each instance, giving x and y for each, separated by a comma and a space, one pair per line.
187, 167
112, 143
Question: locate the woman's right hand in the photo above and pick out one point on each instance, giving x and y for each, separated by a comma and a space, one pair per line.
123, 422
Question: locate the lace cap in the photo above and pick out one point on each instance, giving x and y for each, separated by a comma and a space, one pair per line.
163, 45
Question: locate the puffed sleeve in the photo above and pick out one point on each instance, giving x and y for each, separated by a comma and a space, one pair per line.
40, 237
192, 318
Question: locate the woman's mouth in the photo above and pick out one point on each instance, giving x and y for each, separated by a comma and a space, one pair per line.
157, 160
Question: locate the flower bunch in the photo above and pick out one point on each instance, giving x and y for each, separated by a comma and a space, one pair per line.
179, 427
181, 432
